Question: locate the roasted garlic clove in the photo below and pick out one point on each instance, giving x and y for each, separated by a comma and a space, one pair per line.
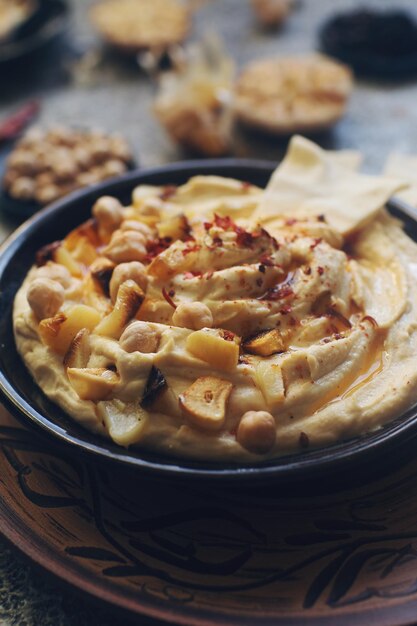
268, 377
129, 298
266, 343
101, 271
65, 258
219, 348
92, 383
155, 386
79, 350
204, 403
57, 332
174, 228
126, 424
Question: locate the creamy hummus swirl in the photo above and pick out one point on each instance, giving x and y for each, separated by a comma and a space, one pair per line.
191, 324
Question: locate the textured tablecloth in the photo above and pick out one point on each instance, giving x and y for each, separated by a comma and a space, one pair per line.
117, 96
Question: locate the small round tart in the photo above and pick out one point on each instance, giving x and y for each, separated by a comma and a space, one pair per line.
134, 25
292, 94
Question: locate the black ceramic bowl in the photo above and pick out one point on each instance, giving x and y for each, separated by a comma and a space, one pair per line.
22, 396
48, 22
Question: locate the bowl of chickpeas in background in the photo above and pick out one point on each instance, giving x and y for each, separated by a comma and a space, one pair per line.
22, 396
46, 165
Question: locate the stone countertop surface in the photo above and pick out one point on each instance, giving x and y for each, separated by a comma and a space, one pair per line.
80, 83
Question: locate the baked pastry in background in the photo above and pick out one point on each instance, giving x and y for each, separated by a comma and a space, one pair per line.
194, 100
135, 25
272, 13
292, 94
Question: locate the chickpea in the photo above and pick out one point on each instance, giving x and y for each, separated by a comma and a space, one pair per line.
9, 178
140, 337
86, 178
47, 194
45, 297
99, 151
65, 169
113, 167
82, 157
257, 431
119, 148
134, 270
139, 227
23, 161
194, 315
126, 246
23, 188
108, 211
56, 272
44, 179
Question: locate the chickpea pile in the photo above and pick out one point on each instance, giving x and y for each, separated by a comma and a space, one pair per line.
46, 165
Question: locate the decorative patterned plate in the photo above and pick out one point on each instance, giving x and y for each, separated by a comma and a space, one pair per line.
209, 556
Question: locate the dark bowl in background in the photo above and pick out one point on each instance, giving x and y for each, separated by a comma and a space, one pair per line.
47, 23
361, 457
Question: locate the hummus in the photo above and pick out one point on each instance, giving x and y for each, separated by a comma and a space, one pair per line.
222, 322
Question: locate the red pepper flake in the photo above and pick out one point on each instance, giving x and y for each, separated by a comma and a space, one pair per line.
293, 321
217, 241
246, 186
291, 222
266, 260
226, 223
167, 192
320, 271
271, 239
321, 218
11, 127
278, 293
156, 246
244, 238
307, 270
371, 319
333, 313
208, 225
304, 440
168, 297
46, 253
285, 310
227, 335
189, 275
316, 243
190, 249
